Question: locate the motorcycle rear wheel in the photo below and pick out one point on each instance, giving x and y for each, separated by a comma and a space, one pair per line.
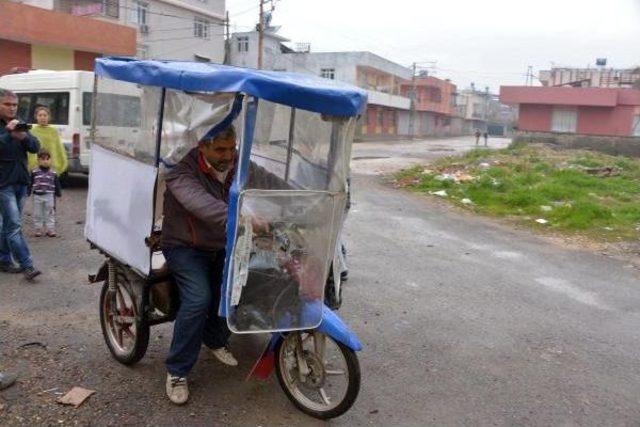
310, 393
125, 331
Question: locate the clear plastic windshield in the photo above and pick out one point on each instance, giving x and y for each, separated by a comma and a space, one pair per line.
290, 212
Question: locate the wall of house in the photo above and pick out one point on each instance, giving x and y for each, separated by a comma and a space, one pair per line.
535, 117
591, 120
14, 54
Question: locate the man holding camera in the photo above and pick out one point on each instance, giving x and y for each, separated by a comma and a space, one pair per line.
15, 142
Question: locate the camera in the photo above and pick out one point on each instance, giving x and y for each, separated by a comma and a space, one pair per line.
22, 127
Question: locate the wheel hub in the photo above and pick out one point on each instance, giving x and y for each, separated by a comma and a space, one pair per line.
316, 377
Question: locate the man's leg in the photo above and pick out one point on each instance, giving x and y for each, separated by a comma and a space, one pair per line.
5, 254
11, 203
192, 271
216, 331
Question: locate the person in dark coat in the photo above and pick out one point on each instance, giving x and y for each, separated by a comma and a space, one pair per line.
15, 143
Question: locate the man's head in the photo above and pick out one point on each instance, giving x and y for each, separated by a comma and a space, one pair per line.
8, 105
44, 158
220, 151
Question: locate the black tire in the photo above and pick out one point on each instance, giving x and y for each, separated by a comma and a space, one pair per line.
333, 301
141, 341
353, 388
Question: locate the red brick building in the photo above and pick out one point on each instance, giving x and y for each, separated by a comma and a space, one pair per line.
32, 38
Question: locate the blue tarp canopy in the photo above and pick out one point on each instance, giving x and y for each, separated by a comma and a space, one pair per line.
297, 90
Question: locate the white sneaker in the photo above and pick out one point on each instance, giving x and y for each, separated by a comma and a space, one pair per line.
225, 356
177, 389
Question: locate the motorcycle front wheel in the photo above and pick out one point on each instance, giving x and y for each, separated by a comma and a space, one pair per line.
319, 375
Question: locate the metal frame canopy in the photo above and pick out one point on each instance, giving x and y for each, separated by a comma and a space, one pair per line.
302, 91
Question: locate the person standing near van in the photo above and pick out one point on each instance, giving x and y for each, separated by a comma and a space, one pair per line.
50, 141
15, 142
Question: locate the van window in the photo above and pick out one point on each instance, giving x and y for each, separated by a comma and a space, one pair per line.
112, 110
57, 102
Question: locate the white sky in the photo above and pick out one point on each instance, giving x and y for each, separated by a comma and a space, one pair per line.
488, 42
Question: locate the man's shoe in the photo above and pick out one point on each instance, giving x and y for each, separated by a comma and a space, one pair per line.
52, 233
9, 267
31, 273
177, 389
7, 380
224, 355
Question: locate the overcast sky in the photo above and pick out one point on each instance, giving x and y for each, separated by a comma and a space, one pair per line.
488, 42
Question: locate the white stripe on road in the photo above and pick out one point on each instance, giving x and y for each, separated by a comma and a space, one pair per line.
575, 293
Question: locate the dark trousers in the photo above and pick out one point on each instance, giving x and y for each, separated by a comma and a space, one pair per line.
199, 277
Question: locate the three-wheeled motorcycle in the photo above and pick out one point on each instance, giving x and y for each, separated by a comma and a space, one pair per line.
146, 115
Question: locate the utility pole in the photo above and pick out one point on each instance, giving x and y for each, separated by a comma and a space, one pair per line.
260, 33
227, 42
412, 113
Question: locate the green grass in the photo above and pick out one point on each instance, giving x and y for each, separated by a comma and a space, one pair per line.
528, 183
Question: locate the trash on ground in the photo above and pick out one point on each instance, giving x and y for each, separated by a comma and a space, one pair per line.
76, 396
484, 165
603, 172
546, 208
466, 201
441, 193
47, 391
445, 177
541, 221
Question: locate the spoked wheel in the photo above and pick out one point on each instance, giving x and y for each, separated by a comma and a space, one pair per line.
124, 330
319, 375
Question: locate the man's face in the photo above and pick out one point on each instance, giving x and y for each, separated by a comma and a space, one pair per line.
8, 107
219, 153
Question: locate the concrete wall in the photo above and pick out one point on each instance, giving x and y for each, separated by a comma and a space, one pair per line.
617, 146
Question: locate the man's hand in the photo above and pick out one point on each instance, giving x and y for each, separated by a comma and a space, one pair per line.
12, 125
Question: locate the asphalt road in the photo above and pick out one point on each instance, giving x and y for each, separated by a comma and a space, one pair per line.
465, 322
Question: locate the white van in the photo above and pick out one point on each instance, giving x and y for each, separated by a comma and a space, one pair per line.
68, 94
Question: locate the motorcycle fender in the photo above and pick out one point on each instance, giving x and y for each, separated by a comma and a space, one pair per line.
333, 326
101, 275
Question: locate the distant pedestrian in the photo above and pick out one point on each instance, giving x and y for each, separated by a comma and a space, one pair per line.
45, 187
15, 143
485, 135
477, 136
50, 141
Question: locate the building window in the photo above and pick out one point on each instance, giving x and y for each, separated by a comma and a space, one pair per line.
564, 120
636, 126
111, 8
380, 117
138, 15
201, 28
243, 44
328, 73
435, 94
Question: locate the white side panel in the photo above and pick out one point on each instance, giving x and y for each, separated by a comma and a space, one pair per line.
120, 207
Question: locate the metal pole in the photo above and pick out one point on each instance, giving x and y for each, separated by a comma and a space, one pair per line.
290, 145
227, 42
412, 113
260, 34
159, 126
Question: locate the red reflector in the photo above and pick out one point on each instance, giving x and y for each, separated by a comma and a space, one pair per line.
75, 145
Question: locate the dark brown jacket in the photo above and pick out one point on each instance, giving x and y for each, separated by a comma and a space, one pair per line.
196, 204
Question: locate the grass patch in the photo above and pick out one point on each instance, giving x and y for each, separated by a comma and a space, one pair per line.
528, 182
